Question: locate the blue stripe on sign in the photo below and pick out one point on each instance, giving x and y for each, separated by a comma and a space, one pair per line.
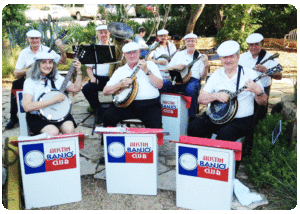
33, 157
114, 139
187, 150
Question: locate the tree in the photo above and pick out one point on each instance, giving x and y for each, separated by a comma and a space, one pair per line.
238, 23
13, 15
196, 12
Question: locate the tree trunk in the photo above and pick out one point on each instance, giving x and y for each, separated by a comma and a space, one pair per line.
194, 17
166, 16
219, 15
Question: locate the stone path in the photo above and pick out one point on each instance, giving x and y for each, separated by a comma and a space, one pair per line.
93, 174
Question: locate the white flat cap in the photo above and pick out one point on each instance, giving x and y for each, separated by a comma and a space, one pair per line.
228, 48
43, 55
162, 32
33, 33
254, 38
190, 36
101, 27
131, 46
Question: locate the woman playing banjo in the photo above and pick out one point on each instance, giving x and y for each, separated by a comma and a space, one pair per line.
44, 77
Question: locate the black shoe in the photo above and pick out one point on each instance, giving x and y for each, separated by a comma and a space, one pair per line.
11, 124
102, 161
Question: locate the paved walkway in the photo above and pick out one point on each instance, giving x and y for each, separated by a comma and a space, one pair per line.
93, 174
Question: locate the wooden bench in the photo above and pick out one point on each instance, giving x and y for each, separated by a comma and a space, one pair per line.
290, 39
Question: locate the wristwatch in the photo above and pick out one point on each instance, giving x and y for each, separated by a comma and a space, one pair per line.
149, 72
261, 93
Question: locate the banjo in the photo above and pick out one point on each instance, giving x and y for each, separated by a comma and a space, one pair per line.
180, 77
168, 58
58, 111
125, 96
221, 113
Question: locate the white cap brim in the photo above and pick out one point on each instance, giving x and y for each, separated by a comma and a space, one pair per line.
190, 36
162, 32
254, 38
131, 46
228, 48
101, 27
33, 33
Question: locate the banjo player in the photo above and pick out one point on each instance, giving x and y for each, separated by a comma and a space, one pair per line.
198, 71
44, 77
25, 59
146, 105
227, 78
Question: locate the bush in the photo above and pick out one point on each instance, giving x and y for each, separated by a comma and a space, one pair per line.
273, 165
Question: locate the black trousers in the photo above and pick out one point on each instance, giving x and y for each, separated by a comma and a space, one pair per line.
232, 131
90, 91
17, 84
148, 111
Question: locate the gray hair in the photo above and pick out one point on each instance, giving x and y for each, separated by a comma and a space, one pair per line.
36, 72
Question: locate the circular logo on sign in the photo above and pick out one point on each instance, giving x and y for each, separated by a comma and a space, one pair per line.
116, 149
34, 158
188, 161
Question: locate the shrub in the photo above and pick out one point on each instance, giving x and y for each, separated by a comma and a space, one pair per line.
273, 164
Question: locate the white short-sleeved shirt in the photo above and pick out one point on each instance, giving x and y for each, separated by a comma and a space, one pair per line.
146, 89
37, 87
102, 69
163, 51
247, 60
140, 41
26, 56
220, 81
183, 58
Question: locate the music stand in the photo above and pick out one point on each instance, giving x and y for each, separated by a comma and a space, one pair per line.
97, 54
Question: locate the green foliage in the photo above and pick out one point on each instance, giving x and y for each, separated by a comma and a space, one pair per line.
274, 165
78, 34
13, 15
238, 24
295, 92
9, 60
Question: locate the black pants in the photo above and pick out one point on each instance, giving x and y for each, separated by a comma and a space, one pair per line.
17, 84
148, 111
232, 131
90, 91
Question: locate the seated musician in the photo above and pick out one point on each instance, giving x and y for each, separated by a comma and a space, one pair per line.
199, 70
159, 55
139, 37
25, 59
98, 77
228, 78
146, 105
44, 77
252, 59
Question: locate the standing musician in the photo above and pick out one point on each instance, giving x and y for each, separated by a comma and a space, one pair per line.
139, 37
251, 59
166, 48
44, 77
24, 60
98, 78
198, 71
146, 105
228, 78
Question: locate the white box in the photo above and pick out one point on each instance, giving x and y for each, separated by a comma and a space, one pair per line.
174, 109
131, 163
205, 174
50, 172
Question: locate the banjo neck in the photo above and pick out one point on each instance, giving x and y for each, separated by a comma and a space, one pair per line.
270, 58
69, 75
269, 72
132, 76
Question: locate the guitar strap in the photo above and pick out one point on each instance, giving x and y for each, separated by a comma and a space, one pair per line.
196, 54
238, 78
261, 55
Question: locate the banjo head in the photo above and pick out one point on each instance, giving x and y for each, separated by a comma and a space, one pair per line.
221, 113
56, 112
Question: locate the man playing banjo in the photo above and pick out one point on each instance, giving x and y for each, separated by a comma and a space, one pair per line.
198, 71
44, 78
146, 105
231, 77
166, 48
25, 59
252, 59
